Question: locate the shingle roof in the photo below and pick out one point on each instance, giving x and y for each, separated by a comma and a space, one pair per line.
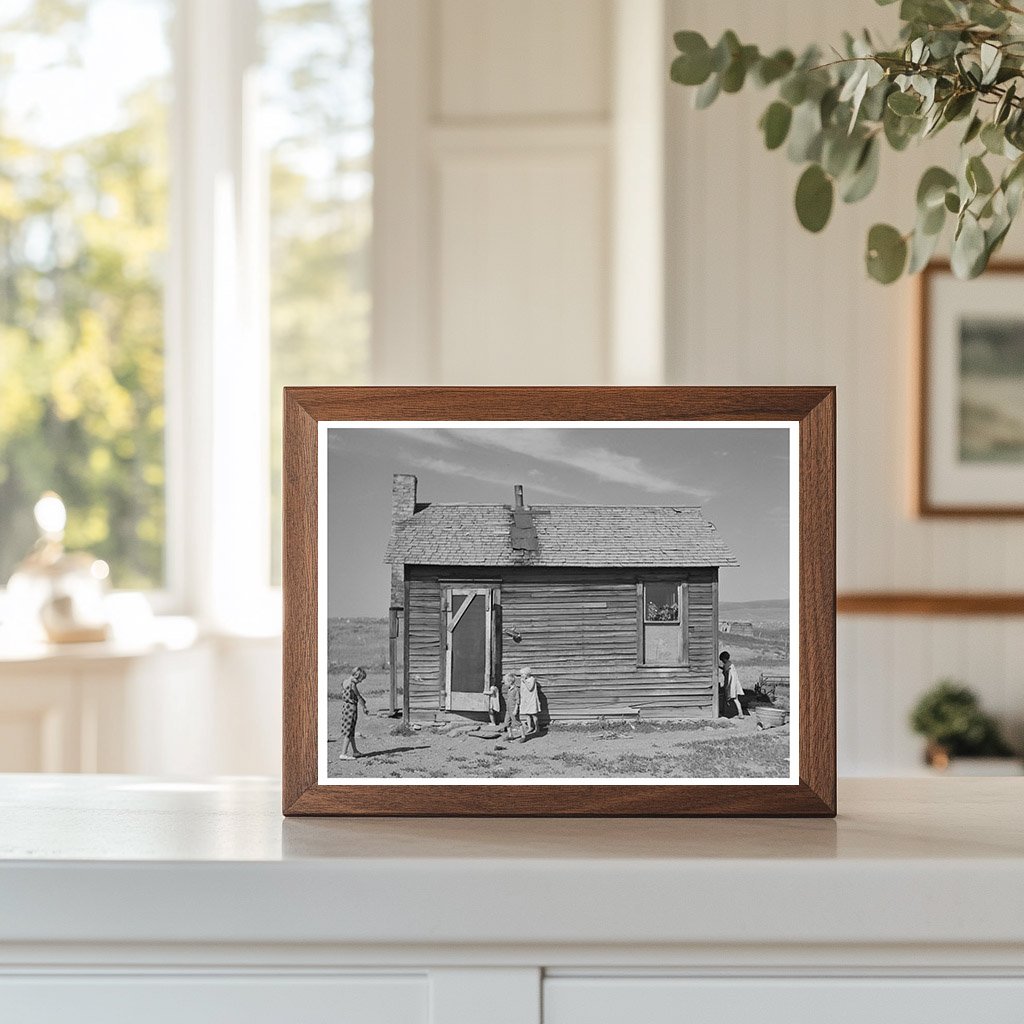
568, 535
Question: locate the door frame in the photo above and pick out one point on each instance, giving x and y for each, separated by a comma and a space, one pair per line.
491, 593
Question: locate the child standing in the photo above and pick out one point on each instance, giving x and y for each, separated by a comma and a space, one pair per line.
529, 703
351, 701
731, 688
493, 704
510, 686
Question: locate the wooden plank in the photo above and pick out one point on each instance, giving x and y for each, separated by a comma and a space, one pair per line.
929, 603
684, 616
405, 665
716, 704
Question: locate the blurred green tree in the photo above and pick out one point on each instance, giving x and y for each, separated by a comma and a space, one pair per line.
82, 234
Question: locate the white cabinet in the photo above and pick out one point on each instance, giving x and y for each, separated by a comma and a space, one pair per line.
127, 899
201, 999
827, 1000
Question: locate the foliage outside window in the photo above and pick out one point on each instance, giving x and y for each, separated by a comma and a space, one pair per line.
83, 236
317, 121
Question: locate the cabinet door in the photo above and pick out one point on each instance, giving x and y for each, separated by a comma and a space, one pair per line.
205, 999
655, 1000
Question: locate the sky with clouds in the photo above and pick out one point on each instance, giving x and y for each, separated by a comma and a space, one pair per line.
739, 476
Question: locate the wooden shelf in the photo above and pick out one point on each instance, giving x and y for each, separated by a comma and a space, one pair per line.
929, 603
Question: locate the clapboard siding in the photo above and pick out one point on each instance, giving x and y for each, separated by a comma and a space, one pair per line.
426, 687
579, 636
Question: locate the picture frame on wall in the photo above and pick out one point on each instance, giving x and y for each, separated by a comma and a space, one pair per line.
970, 421
559, 601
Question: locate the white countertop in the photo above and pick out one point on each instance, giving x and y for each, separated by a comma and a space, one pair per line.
122, 859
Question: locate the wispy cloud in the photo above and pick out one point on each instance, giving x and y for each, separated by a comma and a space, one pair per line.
446, 467
550, 446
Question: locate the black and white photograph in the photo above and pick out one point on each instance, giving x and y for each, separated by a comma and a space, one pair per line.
558, 602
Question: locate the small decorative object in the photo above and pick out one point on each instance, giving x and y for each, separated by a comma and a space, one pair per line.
544, 566
970, 447
951, 719
957, 63
56, 594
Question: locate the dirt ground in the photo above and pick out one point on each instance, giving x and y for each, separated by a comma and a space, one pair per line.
724, 748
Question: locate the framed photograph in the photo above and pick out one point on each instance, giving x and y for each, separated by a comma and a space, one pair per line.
970, 451
559, 601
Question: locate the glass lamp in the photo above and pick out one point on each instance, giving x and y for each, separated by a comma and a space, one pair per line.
55, 595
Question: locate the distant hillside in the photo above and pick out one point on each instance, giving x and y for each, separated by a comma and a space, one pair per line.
754, 611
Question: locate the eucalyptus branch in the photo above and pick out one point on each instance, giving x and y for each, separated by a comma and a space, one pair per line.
954, 60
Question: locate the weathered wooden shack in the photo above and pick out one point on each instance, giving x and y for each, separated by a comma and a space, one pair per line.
614, 608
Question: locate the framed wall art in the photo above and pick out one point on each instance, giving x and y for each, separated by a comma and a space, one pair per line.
970, 450
559, 601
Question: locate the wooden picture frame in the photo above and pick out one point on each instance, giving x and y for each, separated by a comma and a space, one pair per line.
811, 411
940, 488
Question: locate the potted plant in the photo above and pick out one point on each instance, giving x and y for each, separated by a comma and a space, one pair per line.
956, 62
950, 718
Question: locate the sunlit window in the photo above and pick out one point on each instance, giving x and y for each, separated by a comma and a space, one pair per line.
318, 131
83, 235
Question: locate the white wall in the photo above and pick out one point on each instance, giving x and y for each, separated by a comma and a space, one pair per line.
754, 299
499, 163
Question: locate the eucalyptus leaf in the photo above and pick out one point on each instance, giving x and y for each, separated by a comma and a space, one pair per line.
724, 51
973, 130
993, 138
991, 60
931, 190
886, 253
987, 15
904, 103
814, 195
805, 133
978, 176
771, 69
707, 93
932, 220
735, 74
840, 152
922, 247
794, 88
775, 124
1005, 104
968, 248
865, 174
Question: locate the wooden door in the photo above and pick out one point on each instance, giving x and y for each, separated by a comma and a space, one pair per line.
468, 646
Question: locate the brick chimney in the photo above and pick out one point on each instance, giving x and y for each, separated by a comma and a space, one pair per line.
403, 496
403, 505
518, 491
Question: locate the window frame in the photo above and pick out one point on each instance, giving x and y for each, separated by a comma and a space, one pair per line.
682, 624
216, 342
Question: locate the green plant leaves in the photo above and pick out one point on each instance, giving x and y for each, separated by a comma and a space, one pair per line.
904, 103
969, 255
865, 173
886, 254
957, 60
775, 122
693, 65
805, 133
771, 69
814, 195
932, 189
978, 176
993, 138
